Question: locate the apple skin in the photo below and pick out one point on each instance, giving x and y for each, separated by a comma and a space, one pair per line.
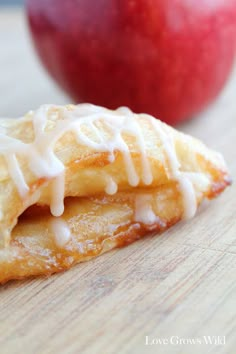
168, 58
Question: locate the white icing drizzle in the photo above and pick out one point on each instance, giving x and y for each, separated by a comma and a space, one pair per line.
199, 180
147, 175
32, 199
61, 231
111, 187
40, 120
82, 121
143, 210
125, 111
188, 195
57, 195
185, 185
17, 175
132, 175
8, 147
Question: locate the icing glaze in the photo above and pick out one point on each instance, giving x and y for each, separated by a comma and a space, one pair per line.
57, 195
83, 121
185, 184
17, 175
111, 187
144, 212
61, 231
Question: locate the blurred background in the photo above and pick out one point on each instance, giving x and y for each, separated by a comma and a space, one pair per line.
11, 2
25, 84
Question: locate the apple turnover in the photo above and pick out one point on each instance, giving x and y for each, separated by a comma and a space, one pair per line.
77, 181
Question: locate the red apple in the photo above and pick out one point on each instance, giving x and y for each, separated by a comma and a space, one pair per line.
169, 58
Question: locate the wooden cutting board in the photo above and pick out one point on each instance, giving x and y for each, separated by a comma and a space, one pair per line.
155, 296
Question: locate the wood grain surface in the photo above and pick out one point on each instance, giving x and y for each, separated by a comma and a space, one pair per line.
177, 286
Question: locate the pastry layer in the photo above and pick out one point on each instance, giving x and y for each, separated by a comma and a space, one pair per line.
42, 244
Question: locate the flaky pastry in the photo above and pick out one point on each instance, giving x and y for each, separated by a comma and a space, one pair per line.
77, 181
